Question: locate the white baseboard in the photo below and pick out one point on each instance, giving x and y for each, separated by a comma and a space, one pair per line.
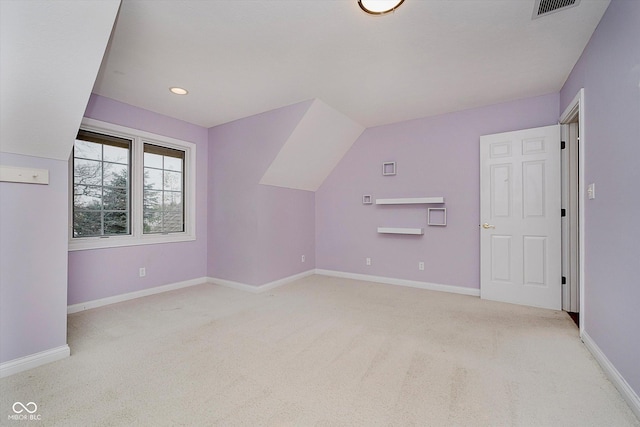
260, 288
612, 373
34, 360
285, 280
401, 282
235, 285
75, 308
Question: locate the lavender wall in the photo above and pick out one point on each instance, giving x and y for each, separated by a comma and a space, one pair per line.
609, 71
33, 260
91, 272
435, 156
257, 233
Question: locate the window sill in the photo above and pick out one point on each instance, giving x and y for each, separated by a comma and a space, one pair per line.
89, 243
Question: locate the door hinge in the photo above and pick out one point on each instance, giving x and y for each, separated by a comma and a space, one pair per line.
562, 145
563, 212
564, 280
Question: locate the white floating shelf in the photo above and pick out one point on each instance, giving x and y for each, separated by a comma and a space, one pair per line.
410, 201
396, 230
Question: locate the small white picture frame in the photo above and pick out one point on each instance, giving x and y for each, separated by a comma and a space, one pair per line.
437, 216
388, 168
367, 200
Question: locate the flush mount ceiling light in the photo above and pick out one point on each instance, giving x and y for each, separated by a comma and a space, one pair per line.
178, 90
379, 7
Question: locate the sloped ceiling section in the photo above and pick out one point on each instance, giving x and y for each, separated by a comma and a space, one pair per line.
50, 55
239, 58
315, 147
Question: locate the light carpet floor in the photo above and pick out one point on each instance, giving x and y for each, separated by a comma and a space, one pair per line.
319, 352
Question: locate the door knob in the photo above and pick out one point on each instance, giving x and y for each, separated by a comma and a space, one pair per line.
486, 225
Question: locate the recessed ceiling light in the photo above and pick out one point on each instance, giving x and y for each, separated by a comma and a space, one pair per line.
178, 90
379, 7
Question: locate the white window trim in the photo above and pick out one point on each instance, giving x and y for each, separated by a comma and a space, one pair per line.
137, 237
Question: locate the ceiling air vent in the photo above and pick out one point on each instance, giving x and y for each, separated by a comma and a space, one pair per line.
545, 7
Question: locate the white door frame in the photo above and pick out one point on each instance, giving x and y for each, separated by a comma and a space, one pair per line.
574, 110
570, 223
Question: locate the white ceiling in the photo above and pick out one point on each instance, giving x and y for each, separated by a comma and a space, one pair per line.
50, 53
238, 58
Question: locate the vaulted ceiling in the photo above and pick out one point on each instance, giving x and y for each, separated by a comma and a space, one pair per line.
238, 57
242, 57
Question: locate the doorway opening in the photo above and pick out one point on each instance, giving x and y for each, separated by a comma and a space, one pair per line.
572, 164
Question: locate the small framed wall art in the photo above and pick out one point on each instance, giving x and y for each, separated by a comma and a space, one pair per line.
389, 168
437, 216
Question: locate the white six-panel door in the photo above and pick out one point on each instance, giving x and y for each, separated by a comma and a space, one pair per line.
520, 202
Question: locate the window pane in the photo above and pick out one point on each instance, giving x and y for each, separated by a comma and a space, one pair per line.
153, 179
172, 181
88, 150
115, 223
87, 197
152, 160
87, 172
173, 222
115, 198
116, 175
172, 200
152, 222
116, 154
152, 200
173, 164
87, 224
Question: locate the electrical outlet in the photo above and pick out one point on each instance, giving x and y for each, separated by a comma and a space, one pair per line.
421, 266
142, 272
368, 261
302, 258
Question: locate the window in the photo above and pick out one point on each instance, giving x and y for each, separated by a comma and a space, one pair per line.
130, 187
101, 185
163, 189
